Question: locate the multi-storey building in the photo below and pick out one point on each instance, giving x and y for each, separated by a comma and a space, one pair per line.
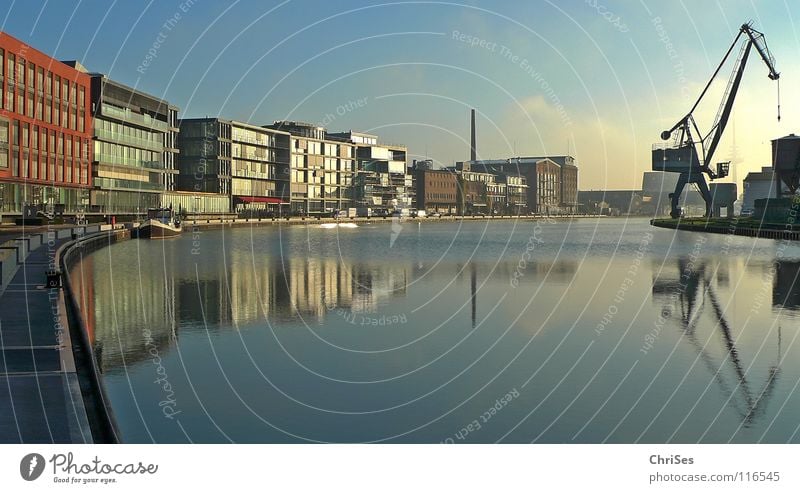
380, 178
45, 131
134, 148
552, 181
485, 189
548, 186
417, 165
516, 193
437, 190
246, 162
322, 169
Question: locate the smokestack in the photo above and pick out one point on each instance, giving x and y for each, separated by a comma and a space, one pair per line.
473, 154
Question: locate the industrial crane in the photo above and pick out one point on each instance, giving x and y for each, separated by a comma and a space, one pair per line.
683, 155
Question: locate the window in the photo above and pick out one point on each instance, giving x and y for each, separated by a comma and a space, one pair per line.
21, 72
10, 72
3, 143
15, 133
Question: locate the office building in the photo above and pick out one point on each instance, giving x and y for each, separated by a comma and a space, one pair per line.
135, 148
45, 132
437, 190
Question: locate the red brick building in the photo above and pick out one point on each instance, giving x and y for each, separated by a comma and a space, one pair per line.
437, 190
45, 130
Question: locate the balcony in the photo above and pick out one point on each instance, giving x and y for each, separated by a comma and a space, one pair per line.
124, 161
119, 138
114, 184
127, 115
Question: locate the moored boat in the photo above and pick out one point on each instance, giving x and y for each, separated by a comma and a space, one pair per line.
160, 223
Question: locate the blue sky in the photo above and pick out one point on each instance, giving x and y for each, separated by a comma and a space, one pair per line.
595, 78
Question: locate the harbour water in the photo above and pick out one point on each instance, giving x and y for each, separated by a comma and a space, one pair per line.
583, 331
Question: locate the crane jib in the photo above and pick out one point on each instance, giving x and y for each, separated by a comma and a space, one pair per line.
683, 156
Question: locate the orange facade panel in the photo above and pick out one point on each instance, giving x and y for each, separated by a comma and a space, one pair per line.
45, 118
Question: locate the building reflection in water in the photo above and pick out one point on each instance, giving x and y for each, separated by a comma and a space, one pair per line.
135, 310
693, 292
127, 321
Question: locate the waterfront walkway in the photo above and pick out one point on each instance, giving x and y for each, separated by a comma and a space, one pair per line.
40, 396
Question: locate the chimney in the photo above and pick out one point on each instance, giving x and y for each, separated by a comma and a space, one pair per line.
473, 154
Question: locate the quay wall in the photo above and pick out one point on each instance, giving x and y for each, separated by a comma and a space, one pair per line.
769, 231
100, 415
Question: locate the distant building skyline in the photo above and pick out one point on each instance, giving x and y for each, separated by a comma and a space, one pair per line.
545, 79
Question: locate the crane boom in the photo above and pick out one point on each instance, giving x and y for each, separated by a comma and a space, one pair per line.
684, 157
758, 40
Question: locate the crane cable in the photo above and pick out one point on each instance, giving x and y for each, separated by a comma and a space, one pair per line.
779, 99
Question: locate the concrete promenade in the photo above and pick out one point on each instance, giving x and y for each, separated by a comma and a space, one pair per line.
40, 391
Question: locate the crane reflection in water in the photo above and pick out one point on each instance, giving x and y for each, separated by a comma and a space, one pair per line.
686, 299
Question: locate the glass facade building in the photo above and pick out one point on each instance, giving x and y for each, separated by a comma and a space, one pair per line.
134, 151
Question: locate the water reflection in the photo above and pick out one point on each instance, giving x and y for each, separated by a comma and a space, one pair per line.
282, 335
237, 290
147, 307
686, 296
785, 292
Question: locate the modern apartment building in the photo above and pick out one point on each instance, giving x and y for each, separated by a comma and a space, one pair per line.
380, 178
246, 162
45, 131
322, 168
135, 148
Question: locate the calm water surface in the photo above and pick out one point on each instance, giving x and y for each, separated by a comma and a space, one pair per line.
585, 331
